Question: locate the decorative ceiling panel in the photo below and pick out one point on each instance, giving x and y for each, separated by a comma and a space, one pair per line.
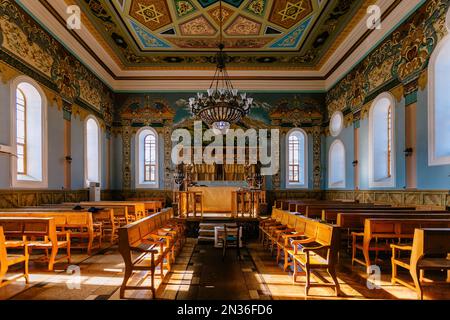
185, 33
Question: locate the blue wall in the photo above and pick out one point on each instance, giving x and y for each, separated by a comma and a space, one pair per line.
428, 177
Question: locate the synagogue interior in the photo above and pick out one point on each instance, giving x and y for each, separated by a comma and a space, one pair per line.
224, 150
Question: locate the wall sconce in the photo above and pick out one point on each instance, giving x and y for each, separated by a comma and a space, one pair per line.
408, 152
355, 163
69, 159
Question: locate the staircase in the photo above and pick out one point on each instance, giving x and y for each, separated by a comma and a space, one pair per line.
206, 232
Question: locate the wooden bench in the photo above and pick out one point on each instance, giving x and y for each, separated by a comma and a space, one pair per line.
310, 244
8, 260
153, 239
354, 221
330, 214
135, 210
80, 225
42, 234
430, 250
152, 205
388, 229
101, 216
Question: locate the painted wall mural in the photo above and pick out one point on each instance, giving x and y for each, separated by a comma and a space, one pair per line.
30, 49
399, 59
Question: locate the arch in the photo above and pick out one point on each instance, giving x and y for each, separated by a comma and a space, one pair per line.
382, 141
147, 158
28, 133
438, 109
336, 165
297, 159
92, 150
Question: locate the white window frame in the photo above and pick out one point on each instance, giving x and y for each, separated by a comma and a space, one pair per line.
28, 183
338, 132
390, 181
432, 159
140, 182
291, 185
86, 182
341, 184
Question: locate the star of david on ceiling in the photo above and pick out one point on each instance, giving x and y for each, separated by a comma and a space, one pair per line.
149, 13
291, 11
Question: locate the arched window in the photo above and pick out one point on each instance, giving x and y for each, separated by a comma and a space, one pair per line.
29, 134
92, 151
336, 165
150, 158
147, 158
297, 173
381, 142
439, 105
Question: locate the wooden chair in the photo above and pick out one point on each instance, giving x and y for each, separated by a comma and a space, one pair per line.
7, 260
318, 253
430, 251
231, 238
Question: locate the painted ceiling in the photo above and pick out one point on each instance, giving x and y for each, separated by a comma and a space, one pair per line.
287, 33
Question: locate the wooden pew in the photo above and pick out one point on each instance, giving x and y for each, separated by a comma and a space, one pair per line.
330, 214
144, 237
102, 217
8, 260
152, 205
136, 210
42, 234
310, 244
388, 229
79, 224
429, 251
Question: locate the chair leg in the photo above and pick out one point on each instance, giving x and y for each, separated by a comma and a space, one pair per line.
337, 287
308, 281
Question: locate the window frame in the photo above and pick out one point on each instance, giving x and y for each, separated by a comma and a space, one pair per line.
26, 181
433, 160
293, 185
24, 144
342, 184
139, 146
390, 180
86, 183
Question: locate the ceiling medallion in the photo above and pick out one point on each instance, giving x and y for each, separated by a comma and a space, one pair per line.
222, 105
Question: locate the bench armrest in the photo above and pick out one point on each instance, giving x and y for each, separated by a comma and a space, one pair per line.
358, 234
297, 242
401, 247
309, 249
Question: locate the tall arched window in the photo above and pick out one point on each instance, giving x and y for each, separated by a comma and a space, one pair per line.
92, 151
29, 134
439, 104
296, 172
381, 142
150, 158
336, 165
147, 158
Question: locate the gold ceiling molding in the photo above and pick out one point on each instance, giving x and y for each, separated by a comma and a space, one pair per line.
362, 12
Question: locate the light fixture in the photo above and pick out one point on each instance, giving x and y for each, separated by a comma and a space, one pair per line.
222, 105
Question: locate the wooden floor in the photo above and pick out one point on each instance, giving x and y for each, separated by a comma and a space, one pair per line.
201, 274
